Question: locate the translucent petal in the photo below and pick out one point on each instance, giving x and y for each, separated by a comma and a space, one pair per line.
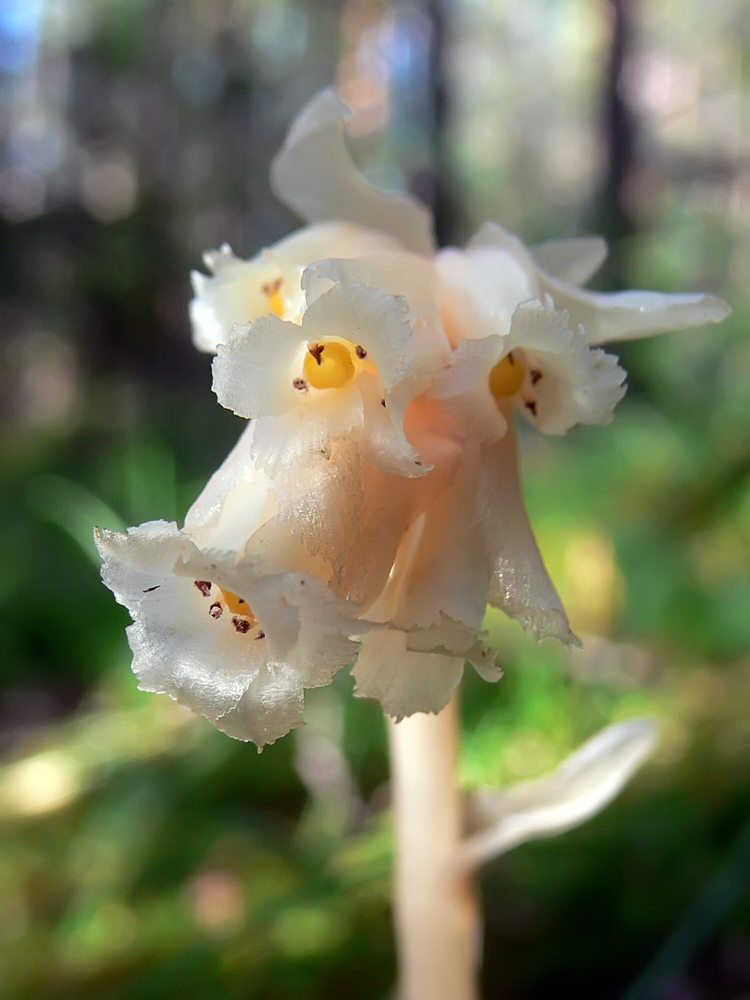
567, 382
314, 175
571, 260
239, 291
249, 681
178, 648
520, 584
253, 373
463, 388
578, 789
607, 316
236, 501
404, 682
483, 284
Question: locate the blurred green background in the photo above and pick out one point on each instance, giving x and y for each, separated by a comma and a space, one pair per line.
144, 854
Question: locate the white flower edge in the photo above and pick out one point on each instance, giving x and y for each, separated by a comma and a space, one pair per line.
254, 375
249, 680
237, 291
313, 174
580, 787
605, 316
412, 672
567, 382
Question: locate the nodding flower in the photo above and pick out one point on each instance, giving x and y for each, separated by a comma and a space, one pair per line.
372, 507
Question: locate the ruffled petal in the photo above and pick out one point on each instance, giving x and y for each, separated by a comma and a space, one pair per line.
253, 373
520, 584
567, 382
313, 174
245, 672
178, 649
238, 291
403, 681
571, 260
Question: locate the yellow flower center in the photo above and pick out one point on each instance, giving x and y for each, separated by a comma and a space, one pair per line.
275, 299
507, 377
238, 605
329, 364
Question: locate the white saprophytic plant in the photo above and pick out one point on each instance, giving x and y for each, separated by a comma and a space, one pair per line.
372, 507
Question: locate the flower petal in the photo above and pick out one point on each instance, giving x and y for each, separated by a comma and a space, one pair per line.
403, 681
236, 501
520, 585
239, 291
567, 381
253, 372
571, 260
177, 648
607, 316
247, 680
463, 388
313, 174
576, 790
483, 284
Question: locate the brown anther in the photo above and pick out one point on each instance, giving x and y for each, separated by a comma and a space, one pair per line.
536, 375
241, 625
272, 287
299, 383
148, 590
204, 586
261, 635
530, 405
511, 358
382, 402
417, 463
317, 351
216, 610
360, 352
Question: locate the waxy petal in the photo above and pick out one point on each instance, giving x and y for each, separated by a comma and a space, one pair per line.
571, 382
404, 682
313, 174
238, 291
520, 584
248, 681
608, 316
584, 784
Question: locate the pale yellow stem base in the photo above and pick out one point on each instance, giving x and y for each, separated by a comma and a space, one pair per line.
436, 911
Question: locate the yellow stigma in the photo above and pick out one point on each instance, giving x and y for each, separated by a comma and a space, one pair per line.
238, 605
506, 378
329, 365
275, 299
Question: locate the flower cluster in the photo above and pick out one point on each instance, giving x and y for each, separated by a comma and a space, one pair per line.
372, 506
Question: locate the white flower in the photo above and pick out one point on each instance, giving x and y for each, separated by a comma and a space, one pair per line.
240, 290
374, 500
220, 635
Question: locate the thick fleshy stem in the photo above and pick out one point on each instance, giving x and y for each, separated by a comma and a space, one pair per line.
436, 909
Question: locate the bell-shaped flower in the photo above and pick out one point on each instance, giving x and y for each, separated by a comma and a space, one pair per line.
348, 370
238, 290
374, 500
231, 641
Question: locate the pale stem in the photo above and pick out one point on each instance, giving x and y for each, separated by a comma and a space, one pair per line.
436, 910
